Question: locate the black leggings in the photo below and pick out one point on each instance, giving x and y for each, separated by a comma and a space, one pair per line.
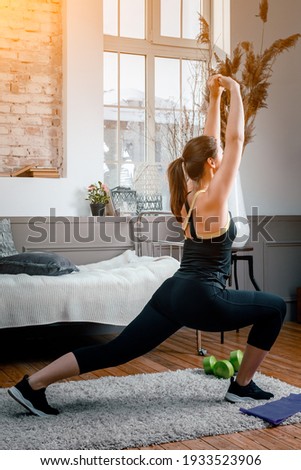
187, 302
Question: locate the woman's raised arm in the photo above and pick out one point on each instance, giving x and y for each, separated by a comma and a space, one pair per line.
234, 139
213, 119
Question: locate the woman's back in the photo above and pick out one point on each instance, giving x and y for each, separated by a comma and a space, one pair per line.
208, 259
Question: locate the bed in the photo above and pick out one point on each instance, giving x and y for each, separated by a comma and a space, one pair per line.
110, 292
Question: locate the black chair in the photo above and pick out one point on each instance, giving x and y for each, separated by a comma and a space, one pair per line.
238, 255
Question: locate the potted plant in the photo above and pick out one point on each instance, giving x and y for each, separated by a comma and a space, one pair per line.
99, 197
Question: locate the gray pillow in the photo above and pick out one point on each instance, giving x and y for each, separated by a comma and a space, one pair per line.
7, 245
37, 263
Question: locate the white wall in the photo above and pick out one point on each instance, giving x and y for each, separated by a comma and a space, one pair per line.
271, 167
83, 132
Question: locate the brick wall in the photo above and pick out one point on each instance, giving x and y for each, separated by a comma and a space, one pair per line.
30, 83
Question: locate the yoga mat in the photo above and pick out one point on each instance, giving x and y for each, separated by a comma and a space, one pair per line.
277, 411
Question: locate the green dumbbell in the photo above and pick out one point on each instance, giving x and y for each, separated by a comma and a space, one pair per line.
236, 358
208, 363
223, 369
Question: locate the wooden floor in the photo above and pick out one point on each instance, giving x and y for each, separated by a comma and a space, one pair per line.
178, 352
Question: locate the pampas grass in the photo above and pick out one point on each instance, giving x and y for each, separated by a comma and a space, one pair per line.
251, 69
263, 10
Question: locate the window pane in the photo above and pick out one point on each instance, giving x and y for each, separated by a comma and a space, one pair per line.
170, 11
190, 22
132, 80
111, 178
110, 134
132, 138
132, 19
110, 78
132, 134
168, 132
110, 17
192, 124
192, 83
167, 82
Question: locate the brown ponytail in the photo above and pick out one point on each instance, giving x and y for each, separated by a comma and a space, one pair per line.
195, 154
177, 187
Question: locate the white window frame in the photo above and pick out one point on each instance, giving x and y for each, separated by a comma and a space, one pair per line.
155, 45
171, 41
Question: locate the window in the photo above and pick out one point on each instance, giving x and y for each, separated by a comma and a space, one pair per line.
154, 73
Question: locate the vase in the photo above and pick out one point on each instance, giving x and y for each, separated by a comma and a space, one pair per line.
97, 209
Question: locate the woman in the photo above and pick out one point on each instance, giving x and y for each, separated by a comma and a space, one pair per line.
196, 296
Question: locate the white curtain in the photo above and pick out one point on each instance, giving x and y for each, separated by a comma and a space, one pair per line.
238, 212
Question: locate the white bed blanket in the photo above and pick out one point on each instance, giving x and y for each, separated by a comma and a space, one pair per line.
109, 292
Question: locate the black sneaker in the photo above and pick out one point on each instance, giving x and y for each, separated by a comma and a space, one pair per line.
33, 400
249, 392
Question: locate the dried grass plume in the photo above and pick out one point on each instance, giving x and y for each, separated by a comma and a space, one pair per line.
251, 69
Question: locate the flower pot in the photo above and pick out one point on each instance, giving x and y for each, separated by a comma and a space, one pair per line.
97, 209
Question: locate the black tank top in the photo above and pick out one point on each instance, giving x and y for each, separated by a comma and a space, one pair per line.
208, 259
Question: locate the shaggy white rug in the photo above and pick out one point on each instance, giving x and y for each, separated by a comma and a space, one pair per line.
132, 411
